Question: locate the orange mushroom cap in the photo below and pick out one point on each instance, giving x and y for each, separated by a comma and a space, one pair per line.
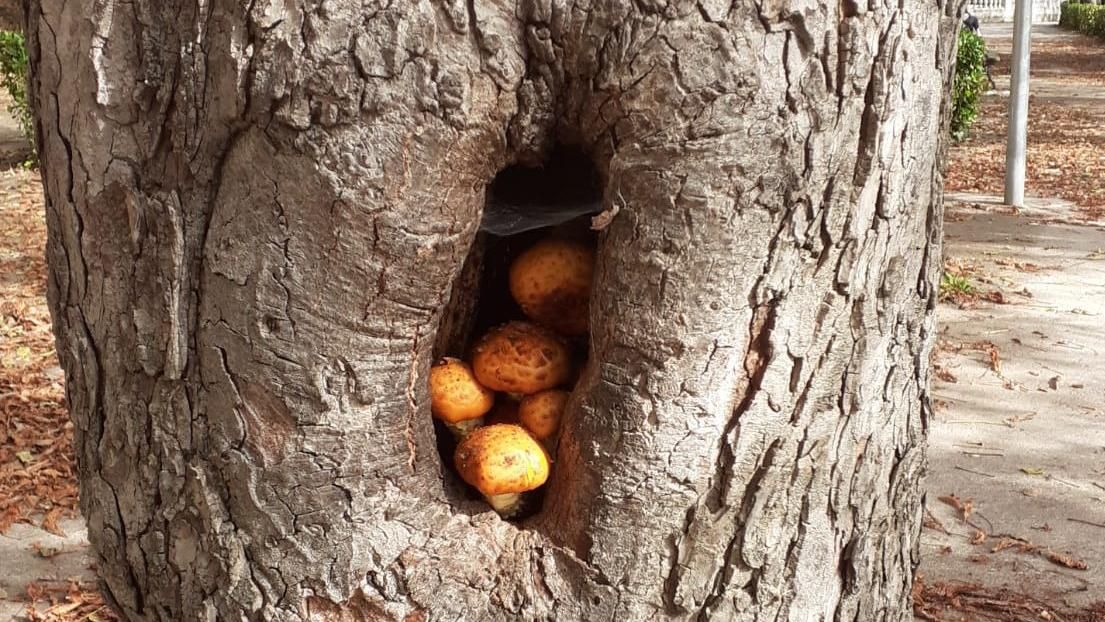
502, 459
551, 281
541, 412
520, 357
455, 394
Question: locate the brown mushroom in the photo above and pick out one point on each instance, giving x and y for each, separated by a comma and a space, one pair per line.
541, 413
521, 358
456, 397
551, 281
502, 461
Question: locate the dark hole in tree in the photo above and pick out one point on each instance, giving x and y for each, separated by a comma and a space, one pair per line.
525, 205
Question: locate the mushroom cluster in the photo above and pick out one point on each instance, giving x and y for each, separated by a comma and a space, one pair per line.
504, 405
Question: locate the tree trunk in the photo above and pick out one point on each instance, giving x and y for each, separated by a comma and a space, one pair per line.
257, 211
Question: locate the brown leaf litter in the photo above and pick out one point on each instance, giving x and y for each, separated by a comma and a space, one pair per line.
1065, 142
67, 602
1022, 545
969, 602
37, 473
966, 508
37, 470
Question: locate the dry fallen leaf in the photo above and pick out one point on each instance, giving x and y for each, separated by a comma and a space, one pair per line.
995, 297
1064, 560
1007, 542
945, 375
931, 522
50, 521
965, 507
978, 537
45, 551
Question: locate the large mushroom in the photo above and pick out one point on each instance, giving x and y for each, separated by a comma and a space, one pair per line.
502, 462
541, 413
521, 358
551, 281
457, 398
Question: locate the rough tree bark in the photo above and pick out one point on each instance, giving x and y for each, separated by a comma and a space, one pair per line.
256, 213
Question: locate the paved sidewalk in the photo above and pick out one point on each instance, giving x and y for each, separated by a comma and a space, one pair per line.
30, 555
1019, 436
1020, 425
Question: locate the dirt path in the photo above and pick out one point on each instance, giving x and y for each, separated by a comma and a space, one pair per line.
1016, 490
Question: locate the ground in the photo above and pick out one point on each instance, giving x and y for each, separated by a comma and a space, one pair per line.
1015, 528
1016, 488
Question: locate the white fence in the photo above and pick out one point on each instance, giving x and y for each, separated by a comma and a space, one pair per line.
1043, 11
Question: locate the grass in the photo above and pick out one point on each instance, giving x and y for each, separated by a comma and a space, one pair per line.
955, 286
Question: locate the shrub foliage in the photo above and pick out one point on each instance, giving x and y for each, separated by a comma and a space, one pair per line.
970, 82
13, 77
1087, 18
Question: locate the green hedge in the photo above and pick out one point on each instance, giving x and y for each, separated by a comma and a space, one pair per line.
13, 77
970, 82
1087, 18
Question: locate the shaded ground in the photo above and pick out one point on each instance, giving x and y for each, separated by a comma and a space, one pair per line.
1017, 452
1015, 528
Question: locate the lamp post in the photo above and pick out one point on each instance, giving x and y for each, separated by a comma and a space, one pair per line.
1018, 105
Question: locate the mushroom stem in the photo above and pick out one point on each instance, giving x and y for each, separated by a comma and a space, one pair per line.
462, 429
506, 504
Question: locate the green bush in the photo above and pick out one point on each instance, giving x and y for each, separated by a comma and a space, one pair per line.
970, 82
1086, 18
13, 77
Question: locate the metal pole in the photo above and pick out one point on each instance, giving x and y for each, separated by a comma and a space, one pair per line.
1018, 105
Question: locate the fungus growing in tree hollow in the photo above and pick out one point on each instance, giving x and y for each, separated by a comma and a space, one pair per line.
551, 281
521, 358
502, 462
540, 413
456, 397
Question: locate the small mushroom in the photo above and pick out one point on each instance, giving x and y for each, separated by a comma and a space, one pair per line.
521, 358
551, 281
457, 398
540, 413
502, 461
